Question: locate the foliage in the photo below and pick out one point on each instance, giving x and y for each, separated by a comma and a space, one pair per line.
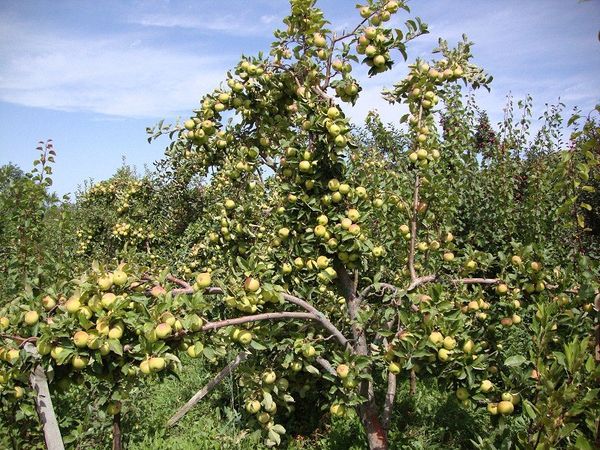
340, 260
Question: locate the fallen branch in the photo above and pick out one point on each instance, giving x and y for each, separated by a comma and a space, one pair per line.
240, 358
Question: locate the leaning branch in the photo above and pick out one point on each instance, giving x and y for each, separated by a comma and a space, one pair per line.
240, 358
43, 403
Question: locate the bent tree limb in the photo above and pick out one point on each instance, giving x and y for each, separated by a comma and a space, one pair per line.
240, 358
43, 403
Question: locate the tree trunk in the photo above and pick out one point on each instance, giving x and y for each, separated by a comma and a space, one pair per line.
117, 444
376, 435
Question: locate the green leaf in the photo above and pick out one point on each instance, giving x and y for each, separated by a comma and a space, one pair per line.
515, 361
115, 346
257, 345
312, 369
582, 443
278, 429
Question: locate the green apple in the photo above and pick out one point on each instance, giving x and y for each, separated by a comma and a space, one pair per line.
333, 112
505, 407
319, 40
145, 367
157, 364
73, 304
105, 282
245, 337
79, 362
203, 280
48, 303
43, 348
502, 289
56, 351
342, 370
449, 343
4, 323
462, 393
253, 406
251, 284
468, 346
108, 299
486, 386
394, 368
113, 408
322, 262
268, 377
163, 330
31, 318
448, 256
337, 410
80, 339
436, 338
443, 354
195, 350
119, 277
308, 351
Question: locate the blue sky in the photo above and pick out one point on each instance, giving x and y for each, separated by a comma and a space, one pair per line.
92, 75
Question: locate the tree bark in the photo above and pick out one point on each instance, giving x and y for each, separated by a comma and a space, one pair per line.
116, 431
376, 435
368, 411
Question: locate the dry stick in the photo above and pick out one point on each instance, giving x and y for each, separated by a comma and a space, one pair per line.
43, 403
240, 358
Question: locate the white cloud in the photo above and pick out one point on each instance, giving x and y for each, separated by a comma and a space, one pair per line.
228, 23
116, 75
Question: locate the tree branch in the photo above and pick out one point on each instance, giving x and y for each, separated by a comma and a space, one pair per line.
258, 317
315, 314
240, 358
413, 230
326, 365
